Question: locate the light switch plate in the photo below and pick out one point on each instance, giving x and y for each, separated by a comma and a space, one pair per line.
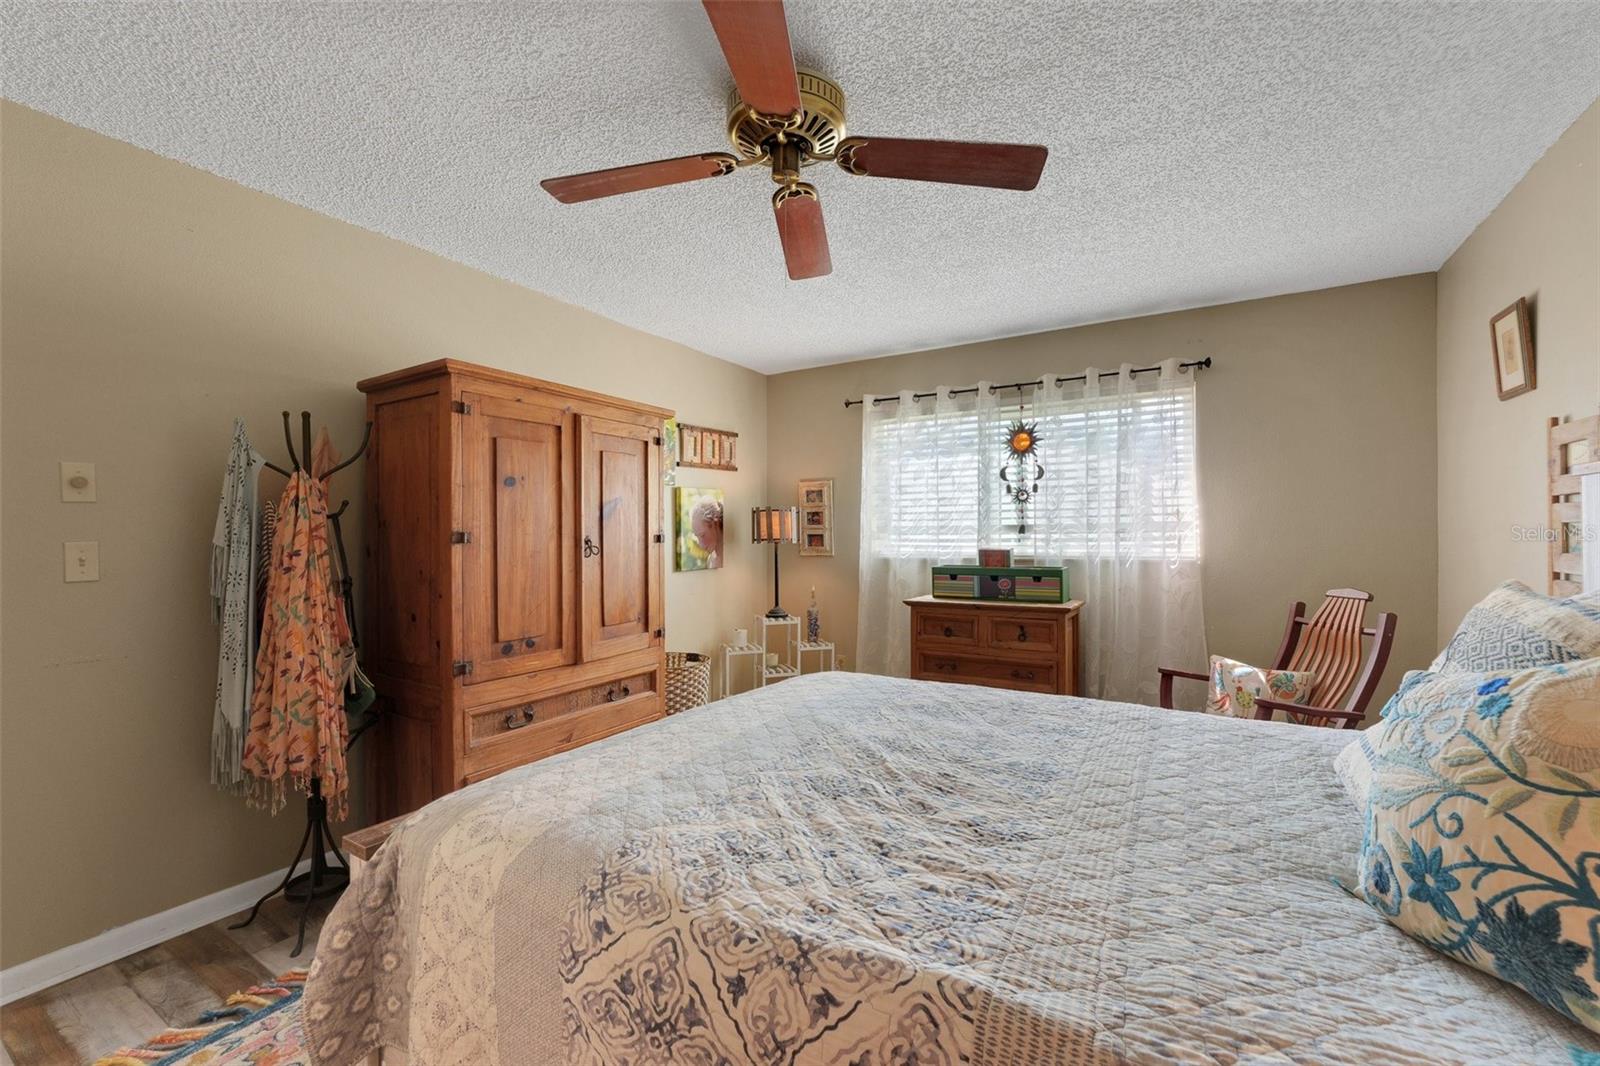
77, 482
81, 559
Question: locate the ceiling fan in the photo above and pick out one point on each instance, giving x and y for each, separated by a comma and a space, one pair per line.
788, 119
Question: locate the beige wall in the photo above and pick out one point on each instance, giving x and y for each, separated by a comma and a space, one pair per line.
1316, 450
1542, 242
145, 305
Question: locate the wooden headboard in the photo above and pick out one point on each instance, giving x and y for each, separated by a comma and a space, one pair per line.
1574, 452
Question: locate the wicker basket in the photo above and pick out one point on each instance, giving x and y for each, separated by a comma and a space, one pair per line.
688, 680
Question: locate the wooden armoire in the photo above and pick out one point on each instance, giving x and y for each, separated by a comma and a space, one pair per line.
514, 598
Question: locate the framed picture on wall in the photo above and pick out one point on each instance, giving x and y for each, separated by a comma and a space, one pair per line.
1512, 341
699, 540
707, 448
816, 516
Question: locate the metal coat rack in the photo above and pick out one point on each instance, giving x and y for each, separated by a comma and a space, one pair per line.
322, 879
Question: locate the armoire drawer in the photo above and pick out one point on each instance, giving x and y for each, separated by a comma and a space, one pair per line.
498, 723
562, 733
1029, 677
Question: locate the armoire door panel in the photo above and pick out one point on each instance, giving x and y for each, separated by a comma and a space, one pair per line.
624, 599
527, 537
403, 542
516, 513
621, 492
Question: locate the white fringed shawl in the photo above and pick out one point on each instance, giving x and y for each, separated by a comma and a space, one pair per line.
233, 608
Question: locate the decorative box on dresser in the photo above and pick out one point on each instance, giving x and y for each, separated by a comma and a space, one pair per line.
514, 593
999, 643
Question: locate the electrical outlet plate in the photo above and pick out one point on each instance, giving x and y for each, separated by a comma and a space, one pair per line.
81, 560
77, 482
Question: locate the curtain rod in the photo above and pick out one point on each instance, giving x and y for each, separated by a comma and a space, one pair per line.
1198, 364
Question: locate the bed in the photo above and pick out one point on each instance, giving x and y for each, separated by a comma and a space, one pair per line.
847, 869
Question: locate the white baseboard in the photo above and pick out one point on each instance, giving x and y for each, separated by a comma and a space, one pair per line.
26, 978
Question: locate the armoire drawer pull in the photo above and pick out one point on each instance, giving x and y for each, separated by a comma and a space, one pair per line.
518, 717
949, 632
510, 646
530, 642
611, 693
1022, 634
1023, 675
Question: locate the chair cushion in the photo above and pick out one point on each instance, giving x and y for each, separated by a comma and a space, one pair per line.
1235, 687
1483, 826
1516, 628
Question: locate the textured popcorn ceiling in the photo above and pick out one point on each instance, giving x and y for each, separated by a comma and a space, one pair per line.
1199, 153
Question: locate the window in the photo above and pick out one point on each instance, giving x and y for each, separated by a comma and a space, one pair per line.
1118, 475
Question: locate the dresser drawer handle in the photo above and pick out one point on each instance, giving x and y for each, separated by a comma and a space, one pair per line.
944, 664
611, 693
1022, 634
1022, 675
949, 632
518, 717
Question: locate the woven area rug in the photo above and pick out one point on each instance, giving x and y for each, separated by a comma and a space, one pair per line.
257, 1027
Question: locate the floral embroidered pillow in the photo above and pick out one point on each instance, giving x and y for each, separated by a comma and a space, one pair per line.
1236, 686
1483, 826
1357, 762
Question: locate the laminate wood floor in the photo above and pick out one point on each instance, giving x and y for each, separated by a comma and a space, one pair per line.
171, 984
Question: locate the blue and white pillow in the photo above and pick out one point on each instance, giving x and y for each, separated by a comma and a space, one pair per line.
1483, 826
1516, 628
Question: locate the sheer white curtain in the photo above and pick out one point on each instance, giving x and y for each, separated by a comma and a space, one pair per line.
1117, 505
925, 466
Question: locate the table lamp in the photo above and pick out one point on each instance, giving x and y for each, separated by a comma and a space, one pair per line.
777, 525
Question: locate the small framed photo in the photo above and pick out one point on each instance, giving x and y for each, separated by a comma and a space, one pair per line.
816, 516
1512, 341
994, 556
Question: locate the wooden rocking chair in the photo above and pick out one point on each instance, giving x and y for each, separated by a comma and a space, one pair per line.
1328, 643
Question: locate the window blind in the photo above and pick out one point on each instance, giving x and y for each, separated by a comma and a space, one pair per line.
1118, 469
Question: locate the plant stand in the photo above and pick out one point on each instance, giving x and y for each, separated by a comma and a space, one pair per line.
781, 635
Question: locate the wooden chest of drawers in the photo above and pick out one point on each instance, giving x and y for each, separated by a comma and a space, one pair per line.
1032, 647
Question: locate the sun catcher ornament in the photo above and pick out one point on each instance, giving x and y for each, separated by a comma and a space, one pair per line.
1022, 472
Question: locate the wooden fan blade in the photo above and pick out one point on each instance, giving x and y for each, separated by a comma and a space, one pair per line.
995, 166
755, 41
576, 188
804, 237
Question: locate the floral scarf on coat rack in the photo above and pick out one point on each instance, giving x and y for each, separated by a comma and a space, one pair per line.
297, 719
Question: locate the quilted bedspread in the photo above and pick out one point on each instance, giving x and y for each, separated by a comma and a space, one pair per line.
846, 869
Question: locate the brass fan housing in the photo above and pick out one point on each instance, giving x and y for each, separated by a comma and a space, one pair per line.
821, 124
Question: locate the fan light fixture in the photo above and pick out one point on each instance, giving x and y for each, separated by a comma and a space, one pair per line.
786, 119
